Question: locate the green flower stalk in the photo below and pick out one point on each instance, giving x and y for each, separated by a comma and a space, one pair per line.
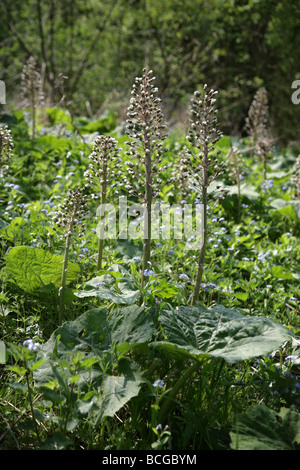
69, 218
105, 162
147, 130
6, 148
32, 90
180, 175
256, 127
203, 135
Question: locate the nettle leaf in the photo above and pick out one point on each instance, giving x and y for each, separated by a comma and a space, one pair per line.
261, 428
33, 268
219, 332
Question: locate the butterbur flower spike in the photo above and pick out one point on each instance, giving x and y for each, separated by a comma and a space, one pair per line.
204, 167
32, 89
71, 212
104, 166
257, 128
6, 148
147, 131
69, 218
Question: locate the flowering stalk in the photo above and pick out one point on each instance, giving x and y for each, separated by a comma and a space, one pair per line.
69, 218
6, 148
145, 125
256, 126
180, 173
203, 135
32, 89
104, 163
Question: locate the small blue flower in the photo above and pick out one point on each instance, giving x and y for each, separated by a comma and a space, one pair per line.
50, 203
158, 383
171, 252
148, 272
31, 345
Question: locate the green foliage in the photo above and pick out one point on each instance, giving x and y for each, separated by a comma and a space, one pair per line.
128, 365
193, 332
33, 268
263, 429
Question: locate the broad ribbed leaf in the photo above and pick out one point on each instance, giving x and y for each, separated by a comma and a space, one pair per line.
96, 331
115, 285
219, 332
92, 335
115, 393
260, 428
33, 268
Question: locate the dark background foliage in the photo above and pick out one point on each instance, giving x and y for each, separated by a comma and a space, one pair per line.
234, 46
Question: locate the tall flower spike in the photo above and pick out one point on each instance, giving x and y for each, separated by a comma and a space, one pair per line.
71, 212
105, 164
147, 130
6, 148
69, 218
181, 174
256, 127
32, 89
203, 135
256, 121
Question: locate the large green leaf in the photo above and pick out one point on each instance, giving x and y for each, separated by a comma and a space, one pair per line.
115, 393
97, 331
93, 335
115, 285
33, 268
260, 428
289, 208
219, 332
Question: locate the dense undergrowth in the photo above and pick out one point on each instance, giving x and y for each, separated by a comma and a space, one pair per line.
130, 364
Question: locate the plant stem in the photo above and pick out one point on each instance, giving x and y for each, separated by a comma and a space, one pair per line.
31, 407
201, 259
170, 398
63, 278
147, 217
103, 202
